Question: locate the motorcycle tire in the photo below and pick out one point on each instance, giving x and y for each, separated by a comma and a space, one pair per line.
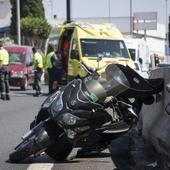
60, 149
25, 149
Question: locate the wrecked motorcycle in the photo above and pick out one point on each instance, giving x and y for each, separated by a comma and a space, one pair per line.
88, 113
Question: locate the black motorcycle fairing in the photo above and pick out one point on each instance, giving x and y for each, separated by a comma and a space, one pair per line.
50, 99
95, 118
54, 110
77, 97
75, 102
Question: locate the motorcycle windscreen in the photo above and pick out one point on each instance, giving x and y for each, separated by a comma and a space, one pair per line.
112, 82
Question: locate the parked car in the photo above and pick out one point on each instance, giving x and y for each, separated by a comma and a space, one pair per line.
20, 66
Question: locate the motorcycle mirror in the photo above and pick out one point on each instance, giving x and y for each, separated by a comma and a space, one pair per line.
99, 58
89, 70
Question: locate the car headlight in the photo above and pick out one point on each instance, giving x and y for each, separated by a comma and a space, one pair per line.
69, 119
17, 74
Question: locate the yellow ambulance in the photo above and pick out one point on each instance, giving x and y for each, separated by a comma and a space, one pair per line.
94, 45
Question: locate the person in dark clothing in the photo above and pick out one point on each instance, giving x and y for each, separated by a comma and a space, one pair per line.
58, 70
2, 83
49, 68
55, 67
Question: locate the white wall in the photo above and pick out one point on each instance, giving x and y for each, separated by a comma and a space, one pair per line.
5, 13
156, 40
156, 46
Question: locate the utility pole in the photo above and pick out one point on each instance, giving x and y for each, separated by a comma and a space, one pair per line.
166, 26
131, 18
18, 23
109, 10
51, 3
166, 17
68, 11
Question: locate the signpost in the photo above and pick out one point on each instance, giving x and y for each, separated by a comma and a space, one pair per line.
145, 21
18, 23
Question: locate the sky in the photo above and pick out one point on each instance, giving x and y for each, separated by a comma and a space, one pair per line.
101, 8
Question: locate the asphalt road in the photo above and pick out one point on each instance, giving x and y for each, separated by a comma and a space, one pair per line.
15, 116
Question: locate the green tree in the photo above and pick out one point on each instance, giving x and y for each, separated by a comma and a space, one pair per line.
14, 17
35, 27
28, 8
32, 8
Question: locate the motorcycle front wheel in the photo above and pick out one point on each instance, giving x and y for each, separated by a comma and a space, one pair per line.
61, 147
25, 149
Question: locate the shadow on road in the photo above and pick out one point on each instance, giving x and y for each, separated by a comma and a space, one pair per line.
120, 153
15, 91
42, 159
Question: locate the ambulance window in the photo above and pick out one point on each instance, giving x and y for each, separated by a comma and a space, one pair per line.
132, 53
104, 48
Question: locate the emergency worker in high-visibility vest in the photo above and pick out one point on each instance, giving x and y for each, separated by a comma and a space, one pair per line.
38, 67
49, 68
4, 73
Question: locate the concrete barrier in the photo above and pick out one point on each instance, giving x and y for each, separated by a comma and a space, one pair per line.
155, 119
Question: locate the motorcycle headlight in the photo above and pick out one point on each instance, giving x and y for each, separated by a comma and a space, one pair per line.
17, 74
71, 134
69, 119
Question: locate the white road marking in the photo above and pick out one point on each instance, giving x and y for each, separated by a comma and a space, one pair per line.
40, 166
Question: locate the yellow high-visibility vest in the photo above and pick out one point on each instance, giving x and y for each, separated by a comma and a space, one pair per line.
38, 60
4, 56
48, 59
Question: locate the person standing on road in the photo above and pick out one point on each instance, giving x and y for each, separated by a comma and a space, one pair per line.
4, 73
49, 68
38, 67
58, 70
55, 68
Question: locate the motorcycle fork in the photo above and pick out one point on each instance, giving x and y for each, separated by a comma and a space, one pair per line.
37, 129
33, 131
